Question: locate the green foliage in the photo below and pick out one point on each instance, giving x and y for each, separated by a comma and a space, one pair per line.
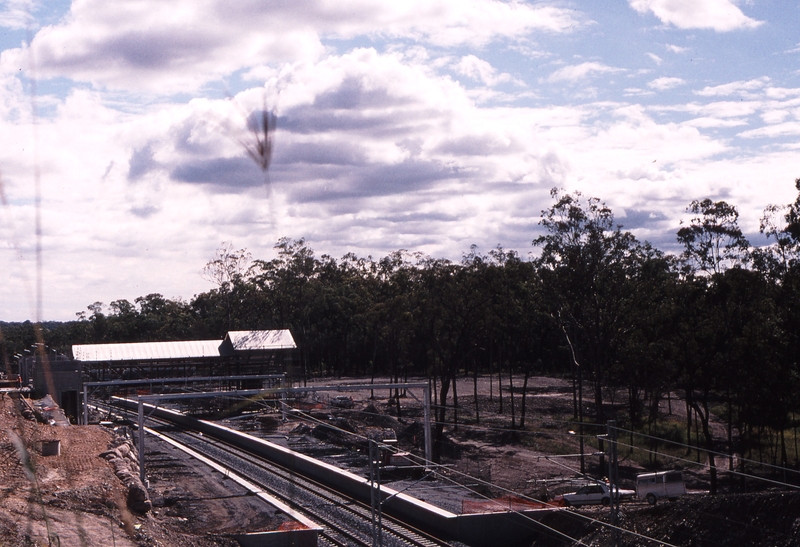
720, 325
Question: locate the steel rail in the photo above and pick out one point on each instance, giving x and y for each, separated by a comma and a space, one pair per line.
304, 495
323, 504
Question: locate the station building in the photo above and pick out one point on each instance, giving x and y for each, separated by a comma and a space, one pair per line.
225, 365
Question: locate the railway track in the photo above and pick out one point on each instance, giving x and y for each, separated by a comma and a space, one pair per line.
344, 521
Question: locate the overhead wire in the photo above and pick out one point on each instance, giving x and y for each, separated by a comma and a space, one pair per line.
720, 454
506, 490
719, 469
481, 482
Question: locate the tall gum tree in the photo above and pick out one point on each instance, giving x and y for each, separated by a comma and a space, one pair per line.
587, 263
779, 265
713, 243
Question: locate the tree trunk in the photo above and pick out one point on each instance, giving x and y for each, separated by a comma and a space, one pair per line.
688, 423
784, 456
633, 403
730, 431
491, 372
524, 399
511, 394
701, 410
441, 415
500, 377
598, 399
574, 391
455, 399
475, 392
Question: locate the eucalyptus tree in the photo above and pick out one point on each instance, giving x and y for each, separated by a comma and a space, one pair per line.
287, 282
713, 241
124, 322
645, 365
227, 270
343, 294
92, 328
514, 322
587, 263
713, 244
779, 264
448, 305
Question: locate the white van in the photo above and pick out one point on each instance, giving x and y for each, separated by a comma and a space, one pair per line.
655, 486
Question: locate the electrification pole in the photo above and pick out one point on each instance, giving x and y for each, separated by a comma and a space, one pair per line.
375, 493
613, 478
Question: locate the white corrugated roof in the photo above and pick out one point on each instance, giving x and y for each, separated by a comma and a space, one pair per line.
244, 340
146, 350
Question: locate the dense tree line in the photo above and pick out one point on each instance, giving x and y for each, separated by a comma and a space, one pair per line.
719, 324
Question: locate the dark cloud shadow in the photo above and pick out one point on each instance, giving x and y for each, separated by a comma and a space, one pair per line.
141, 163
477, 145
641, 218
340, 152
373, 181
145, 211
223, 174
352, 95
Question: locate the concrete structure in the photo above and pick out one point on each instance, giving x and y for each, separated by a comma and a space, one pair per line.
477, 530
62, 380
51, 448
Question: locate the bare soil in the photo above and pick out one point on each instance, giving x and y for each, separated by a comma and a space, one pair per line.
482, 449
76, 497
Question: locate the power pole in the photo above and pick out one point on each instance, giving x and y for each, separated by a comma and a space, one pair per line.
613, 478
375, 493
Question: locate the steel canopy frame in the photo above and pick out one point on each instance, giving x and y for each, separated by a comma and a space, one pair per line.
252, 392
161, 381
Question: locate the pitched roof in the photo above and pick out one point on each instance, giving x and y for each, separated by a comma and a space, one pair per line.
142, 351
235, 341
256, 340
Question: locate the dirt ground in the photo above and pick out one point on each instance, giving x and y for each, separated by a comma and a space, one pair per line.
484, 452
76, 498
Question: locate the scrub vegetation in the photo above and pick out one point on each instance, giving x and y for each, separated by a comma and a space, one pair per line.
714, 329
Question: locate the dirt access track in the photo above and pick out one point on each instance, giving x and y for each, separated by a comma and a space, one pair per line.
77, 498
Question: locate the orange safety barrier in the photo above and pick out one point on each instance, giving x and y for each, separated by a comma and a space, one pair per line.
291, 525
505, 503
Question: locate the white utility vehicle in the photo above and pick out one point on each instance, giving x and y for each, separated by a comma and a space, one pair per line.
598, 493
662, 485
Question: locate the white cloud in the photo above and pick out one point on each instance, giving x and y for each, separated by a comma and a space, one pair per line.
480, 70
530, 51
782, 92
377, 148
775, 116
771, 131
16, 14
709, 122
741, 87
372, 154
719, 15
656, 59
574, 73
676, 49
665, 83
717, 109
165, 47
635, 91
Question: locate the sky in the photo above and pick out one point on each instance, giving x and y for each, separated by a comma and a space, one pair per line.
425, 125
